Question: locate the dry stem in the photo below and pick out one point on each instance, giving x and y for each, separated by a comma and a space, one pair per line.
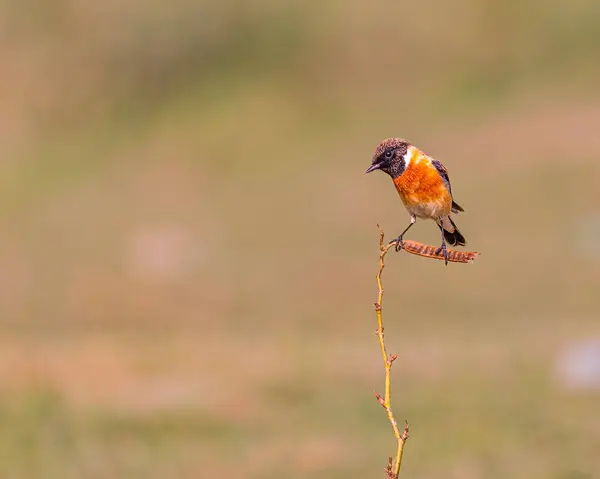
428, 251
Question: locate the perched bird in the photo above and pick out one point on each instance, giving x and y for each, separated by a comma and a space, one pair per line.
424, 187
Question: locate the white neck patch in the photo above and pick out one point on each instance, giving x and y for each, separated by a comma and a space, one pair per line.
408, 156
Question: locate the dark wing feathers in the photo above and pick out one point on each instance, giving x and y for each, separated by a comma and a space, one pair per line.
456, 207
444, 174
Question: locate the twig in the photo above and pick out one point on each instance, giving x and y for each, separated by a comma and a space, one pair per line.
428, 251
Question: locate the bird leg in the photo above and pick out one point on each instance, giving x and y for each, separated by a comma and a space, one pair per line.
443, 249
398, 240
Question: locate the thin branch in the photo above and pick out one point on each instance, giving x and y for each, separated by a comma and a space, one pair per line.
428, 251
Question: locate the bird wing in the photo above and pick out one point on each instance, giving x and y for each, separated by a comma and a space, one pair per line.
441, 169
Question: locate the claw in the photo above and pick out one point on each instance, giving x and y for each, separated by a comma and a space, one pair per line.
445, 251
399, 243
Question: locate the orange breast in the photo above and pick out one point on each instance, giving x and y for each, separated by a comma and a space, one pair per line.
423, 191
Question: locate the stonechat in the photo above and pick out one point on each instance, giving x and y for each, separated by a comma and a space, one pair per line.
424, 187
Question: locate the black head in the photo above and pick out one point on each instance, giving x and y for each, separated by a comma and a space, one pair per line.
389, 157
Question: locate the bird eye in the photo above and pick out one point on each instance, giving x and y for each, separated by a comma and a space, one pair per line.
389, 154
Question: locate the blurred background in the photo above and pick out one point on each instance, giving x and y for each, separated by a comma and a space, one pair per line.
189, 242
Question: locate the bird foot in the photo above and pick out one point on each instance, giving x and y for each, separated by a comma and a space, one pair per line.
399, 243
443, 249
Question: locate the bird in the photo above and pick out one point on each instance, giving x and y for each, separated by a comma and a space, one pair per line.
424, 187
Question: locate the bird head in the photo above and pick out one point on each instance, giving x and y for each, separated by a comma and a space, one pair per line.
389, 157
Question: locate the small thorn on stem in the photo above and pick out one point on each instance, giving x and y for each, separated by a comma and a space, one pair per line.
393, 357
379, 398
405, 433
389, 468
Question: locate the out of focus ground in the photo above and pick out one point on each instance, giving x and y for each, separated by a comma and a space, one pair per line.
189, 246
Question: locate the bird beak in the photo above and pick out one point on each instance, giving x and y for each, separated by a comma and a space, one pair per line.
374, 167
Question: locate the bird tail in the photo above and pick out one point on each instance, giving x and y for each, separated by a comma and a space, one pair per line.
451, 233
456, 207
